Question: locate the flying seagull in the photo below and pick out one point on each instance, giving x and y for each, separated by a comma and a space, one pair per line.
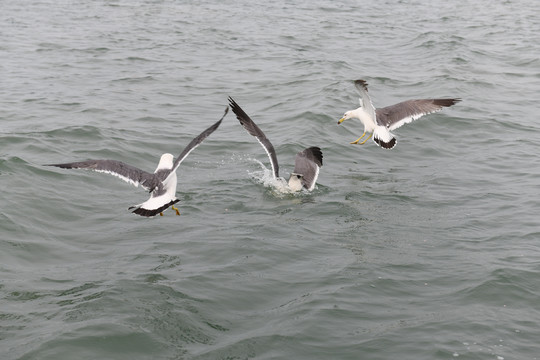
307, 162
381, 121
161, 184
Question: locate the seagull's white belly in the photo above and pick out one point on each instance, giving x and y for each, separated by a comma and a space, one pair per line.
170, 185
156, 202
365, 118
295, 184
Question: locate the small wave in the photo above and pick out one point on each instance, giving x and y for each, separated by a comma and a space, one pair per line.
134, 79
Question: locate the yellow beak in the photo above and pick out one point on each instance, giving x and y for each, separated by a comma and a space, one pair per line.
341, 120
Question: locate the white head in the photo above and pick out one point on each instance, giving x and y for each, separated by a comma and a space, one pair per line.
295, 182
165, 162
349, 115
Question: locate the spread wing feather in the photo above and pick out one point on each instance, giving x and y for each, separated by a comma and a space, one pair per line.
128, 173
308, 163
397, 115
254, 130
197, 141
365, 99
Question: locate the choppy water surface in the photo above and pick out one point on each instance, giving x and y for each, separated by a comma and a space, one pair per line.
428, 251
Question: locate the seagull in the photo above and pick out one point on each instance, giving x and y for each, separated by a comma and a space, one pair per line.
161, 184
381, 121
307, 162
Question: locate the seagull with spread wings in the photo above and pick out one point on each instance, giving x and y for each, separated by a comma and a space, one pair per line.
379, 122
161, 184
307, 162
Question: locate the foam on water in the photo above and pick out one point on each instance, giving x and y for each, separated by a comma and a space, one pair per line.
279, 186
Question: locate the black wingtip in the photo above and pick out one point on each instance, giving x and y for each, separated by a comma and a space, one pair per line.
235, 107
225, 113
210, 130
317, 154
446, 102
385, 145
63, 166
217, 123
240, 113
152, 212
361, 83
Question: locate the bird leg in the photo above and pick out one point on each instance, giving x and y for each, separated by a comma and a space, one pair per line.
175, 209
357, 140
363, 142
160, 214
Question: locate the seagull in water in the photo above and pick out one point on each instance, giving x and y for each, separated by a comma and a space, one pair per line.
161, 184
307, 162
379, 122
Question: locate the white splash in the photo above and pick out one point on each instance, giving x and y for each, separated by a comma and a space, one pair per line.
265, 176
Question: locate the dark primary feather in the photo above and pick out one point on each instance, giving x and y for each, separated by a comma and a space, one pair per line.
314, 154
361, 85
385, 145
391, 115
117, 168
365, 99
135, 175
254, 130
197, 141
152, 212
306, 163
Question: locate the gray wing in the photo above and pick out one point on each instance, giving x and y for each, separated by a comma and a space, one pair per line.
254, 130
308, 163
128, 173
395, 116
365, 100
197, 141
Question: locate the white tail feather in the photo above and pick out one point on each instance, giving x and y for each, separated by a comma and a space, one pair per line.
384, 138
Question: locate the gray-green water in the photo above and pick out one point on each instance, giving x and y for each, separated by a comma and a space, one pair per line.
428, 251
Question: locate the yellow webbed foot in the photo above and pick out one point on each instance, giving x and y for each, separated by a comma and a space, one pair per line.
175, 209
363, 142
160, 214
357, 140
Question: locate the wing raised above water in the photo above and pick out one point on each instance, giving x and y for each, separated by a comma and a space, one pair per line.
197, 141
308, 163
128, 173
254, 130
365, 100
395, 116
